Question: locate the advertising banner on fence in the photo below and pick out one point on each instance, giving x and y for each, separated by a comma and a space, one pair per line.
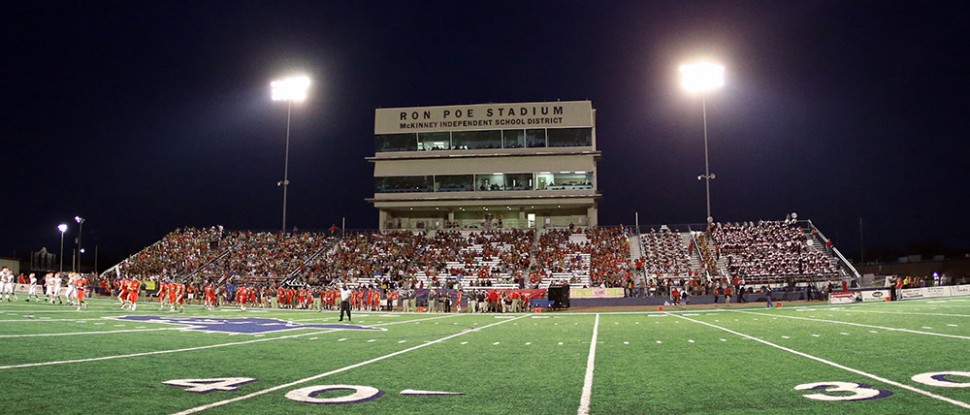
844, 297
911, 293
596, 293
959, 290
875, 295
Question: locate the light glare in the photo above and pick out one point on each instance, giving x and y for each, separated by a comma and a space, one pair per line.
702, 76
290, 89
62, 227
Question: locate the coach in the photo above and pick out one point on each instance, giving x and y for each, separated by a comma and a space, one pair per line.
344, 302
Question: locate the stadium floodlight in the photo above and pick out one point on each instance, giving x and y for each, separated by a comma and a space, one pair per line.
63, 228
292, 89
702, 77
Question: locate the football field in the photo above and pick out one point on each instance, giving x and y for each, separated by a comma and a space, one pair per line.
872, 358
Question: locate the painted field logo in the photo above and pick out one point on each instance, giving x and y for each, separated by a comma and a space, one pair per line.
240, 325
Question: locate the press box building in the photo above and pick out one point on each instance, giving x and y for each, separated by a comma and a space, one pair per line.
488, 165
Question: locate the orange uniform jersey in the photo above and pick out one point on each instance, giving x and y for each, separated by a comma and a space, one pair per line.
177, 293
133, 287
163, 290
81, 284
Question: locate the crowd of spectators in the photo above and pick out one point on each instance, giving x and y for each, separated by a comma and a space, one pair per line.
561, 251
665, 254
453, 258
611, 265
180, 250
771, 249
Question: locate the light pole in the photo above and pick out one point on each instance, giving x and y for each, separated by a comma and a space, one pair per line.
80, 228
702, 77
289, 89
63, 228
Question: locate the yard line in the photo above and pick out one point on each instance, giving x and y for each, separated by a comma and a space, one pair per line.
336, 371
588, 379
45, 320
81, 333
836, 365
192, 349
868, 326
909, 313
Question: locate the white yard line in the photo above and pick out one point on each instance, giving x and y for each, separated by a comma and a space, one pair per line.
588, 379
49, 320
907, 313
192, 349
868, 326
835, 365
81, 333
336, 371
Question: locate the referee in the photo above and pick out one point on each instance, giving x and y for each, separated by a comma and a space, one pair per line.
344, 302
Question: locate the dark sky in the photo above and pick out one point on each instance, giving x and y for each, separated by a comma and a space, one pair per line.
146, 116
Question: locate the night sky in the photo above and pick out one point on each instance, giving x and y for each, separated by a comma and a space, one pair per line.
147, 116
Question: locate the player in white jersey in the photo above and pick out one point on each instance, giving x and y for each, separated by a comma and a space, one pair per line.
48, 283
70, 291
32, 287
56, 288
6, 283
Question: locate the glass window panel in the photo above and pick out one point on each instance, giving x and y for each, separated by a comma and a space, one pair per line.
544, 179
474, 140
513, 138
569, 180
456, 183
489, 182
570, 137
395, 142
402, 184
434, 141
519, 181
535, 138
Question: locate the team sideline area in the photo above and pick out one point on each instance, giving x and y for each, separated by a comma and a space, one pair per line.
865, 358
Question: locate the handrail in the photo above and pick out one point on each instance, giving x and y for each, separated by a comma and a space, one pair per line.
836, 251
115, 266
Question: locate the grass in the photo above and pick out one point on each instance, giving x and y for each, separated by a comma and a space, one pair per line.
701, 361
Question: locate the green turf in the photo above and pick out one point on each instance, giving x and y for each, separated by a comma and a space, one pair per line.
677, 362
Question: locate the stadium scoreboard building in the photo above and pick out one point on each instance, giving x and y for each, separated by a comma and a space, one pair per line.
487, 165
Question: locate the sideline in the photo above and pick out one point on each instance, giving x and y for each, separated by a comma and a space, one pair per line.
588, 379
82, 333
835, 365
336, 371
192, 349
868, 326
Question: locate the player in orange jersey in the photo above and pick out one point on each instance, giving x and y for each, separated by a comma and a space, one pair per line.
134, 285
178, 289
134, 290
210, 296
123, 292
163, 293
242, 295
82, 285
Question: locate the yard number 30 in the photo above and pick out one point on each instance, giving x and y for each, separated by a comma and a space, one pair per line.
849, 391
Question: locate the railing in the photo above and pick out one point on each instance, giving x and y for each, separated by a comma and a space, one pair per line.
844, 262
115, 267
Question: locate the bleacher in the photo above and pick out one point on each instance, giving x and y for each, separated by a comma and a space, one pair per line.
762, 252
